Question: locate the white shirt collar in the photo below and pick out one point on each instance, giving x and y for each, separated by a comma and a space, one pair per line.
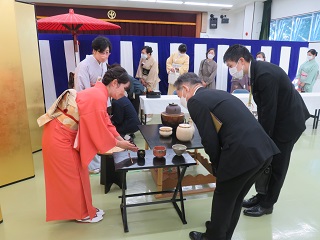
249, 70
196, 90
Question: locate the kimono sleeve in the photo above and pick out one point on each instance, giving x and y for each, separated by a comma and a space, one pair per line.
139, 71
169, 63
201, 69
153, 74
214, 73
96, 135
185, 66
82, 79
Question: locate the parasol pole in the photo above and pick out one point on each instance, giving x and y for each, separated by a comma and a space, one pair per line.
74, 29
75, 48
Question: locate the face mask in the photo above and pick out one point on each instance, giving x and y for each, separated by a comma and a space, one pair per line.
181, 54
259, 59
144, 56
235, 73
210, 56
183, 100
309, 57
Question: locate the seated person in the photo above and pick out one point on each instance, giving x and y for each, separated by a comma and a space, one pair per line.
240, 83
136, 89
124, 116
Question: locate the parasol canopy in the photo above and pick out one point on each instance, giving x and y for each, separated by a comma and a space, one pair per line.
74, 23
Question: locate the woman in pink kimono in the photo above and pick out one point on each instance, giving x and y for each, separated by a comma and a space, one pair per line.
76, 128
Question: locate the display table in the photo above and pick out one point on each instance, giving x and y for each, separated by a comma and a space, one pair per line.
167, 180
157, 105
312, 101
123, 163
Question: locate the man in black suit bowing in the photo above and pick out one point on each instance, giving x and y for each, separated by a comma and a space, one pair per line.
238, 148
281, 112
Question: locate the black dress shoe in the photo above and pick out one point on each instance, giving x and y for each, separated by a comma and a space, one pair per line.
197, 236
257, 211
250, 202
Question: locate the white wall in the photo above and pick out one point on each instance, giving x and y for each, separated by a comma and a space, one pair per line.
285, 8
257, 20
232, 30
248, 21
280, 8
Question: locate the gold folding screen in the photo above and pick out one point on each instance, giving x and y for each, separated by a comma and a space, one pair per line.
19, 70
28, 42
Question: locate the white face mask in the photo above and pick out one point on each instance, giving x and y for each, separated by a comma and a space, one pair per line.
210, 56
309, 57
181, 54
259, 59
144, 56
183, 100
235, 73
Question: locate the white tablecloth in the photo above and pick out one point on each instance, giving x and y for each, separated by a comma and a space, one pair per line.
312, 100
244, 97
158, 105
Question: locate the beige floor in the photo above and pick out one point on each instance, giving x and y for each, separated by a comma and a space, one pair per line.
296, 216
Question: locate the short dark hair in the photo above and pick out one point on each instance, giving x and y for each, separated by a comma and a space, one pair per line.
116, 72
113, 65
182, 48
313, 52
235, 52
262, 54
101, 43
148, 49
209, 51
188, 77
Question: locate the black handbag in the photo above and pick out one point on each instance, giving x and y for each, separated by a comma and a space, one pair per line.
262, 182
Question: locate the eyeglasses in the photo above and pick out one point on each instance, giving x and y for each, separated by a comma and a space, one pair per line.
105, 53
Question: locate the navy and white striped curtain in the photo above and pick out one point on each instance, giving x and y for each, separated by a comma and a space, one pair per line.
57, 56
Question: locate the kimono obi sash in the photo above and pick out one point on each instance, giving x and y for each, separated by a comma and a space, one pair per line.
65, 109
145, 71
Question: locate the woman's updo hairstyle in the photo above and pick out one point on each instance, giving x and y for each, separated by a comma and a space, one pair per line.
116, 72
148, 49
313, 52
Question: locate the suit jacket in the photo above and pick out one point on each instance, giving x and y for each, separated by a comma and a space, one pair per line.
281, 109
241, 143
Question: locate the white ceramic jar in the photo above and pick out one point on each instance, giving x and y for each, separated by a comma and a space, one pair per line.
192, 125
184, 132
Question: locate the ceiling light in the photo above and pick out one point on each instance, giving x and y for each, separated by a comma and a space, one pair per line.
142, 0
196, 3
220, 5
208, 4
173, 2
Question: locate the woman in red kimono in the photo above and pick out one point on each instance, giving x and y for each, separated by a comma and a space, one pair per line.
78, 127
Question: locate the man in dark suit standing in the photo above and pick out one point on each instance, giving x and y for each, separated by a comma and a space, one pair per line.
281, 112
238, 148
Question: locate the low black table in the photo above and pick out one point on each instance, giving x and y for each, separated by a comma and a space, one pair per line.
152, 137
123, 163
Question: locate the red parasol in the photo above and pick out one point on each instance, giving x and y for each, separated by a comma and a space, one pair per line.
74, 23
